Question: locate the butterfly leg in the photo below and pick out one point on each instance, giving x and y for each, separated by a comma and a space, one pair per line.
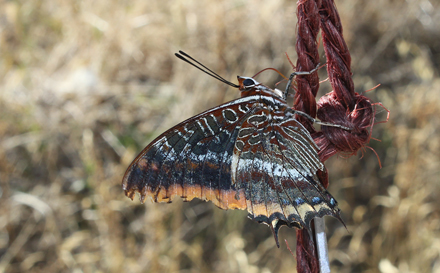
320, 122
289, 83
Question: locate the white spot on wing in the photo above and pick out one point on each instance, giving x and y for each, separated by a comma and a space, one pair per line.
207, 125
234, 166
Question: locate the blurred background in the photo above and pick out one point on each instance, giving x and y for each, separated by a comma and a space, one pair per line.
85, 85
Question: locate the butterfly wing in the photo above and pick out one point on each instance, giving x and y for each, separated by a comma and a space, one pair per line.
276, 161
239, 155
192, 159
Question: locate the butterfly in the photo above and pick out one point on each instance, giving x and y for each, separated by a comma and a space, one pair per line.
249, 154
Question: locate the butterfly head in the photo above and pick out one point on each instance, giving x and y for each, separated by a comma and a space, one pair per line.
246, 83
248, 86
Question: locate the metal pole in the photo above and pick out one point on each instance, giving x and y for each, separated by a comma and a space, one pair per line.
321, 244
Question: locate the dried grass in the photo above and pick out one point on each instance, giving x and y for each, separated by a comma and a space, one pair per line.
86, 85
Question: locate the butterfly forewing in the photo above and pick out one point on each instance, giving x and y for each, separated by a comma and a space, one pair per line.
249, 153
192, 159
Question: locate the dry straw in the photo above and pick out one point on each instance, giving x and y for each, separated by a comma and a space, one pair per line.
84, 85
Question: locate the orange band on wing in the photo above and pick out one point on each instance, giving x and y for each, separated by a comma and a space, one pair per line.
224, 199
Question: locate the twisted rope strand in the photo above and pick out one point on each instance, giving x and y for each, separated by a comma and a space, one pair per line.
341, 106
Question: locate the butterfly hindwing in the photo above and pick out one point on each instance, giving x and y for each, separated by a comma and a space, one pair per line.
277, 164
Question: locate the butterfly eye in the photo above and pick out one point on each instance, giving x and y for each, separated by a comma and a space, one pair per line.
249, 82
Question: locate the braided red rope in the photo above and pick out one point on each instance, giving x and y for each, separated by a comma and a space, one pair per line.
341, 106
308, 59
307, 88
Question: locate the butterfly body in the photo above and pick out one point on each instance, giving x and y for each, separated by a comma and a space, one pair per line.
250, 153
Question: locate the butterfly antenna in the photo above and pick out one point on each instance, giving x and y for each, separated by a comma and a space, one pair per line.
203, 68
188, 56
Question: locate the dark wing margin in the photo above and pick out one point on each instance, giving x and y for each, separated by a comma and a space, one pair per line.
192, 160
